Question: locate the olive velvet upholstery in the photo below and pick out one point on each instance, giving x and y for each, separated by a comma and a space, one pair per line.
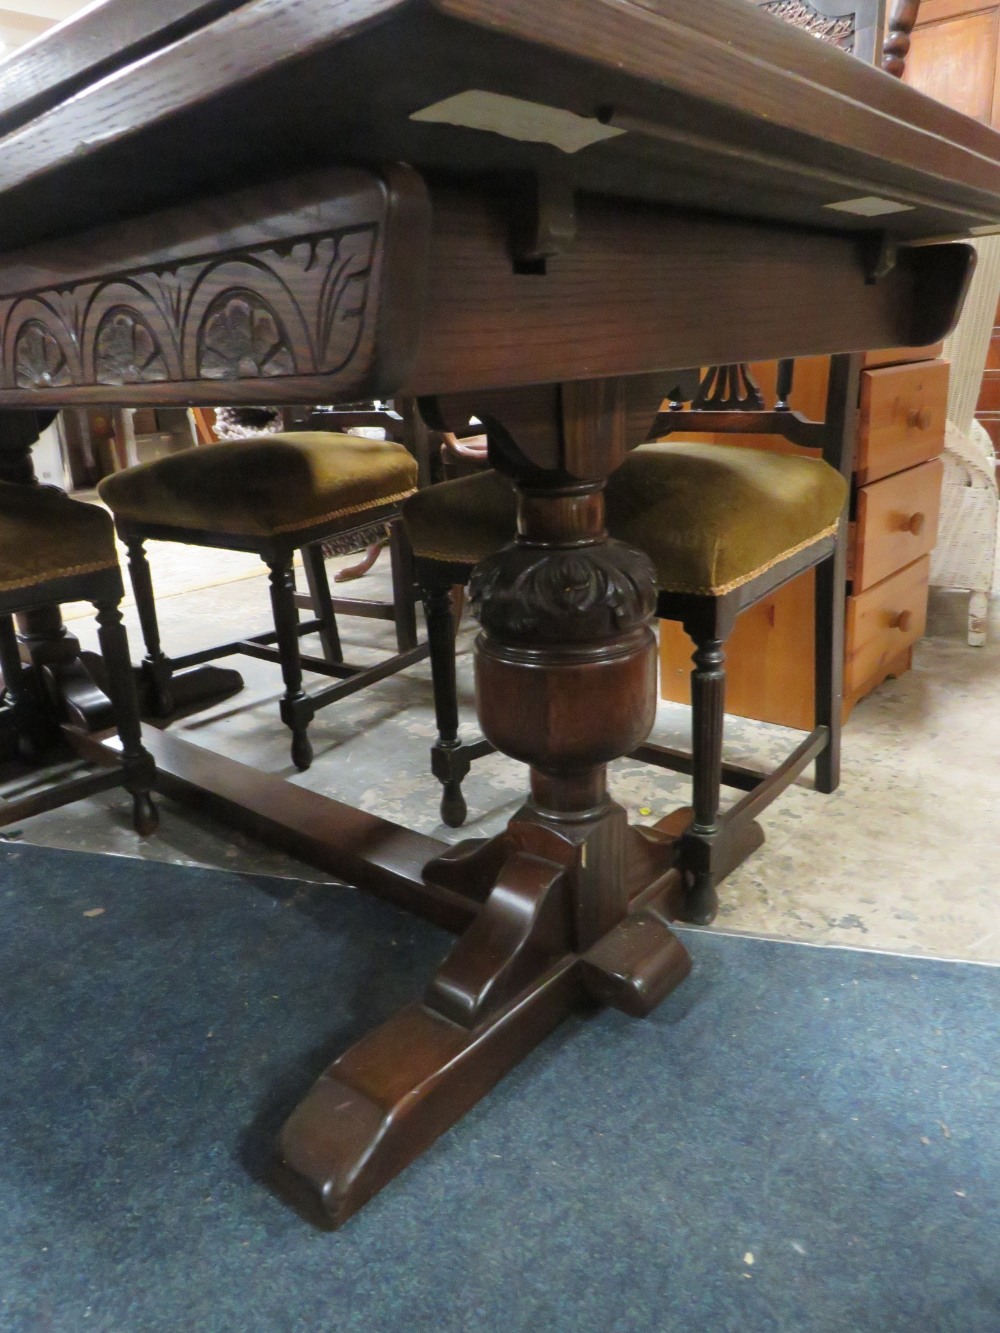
273, 495
54, 549
286, 483
711, 517
45, 535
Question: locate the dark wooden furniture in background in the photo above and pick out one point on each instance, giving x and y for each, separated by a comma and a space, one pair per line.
503, 277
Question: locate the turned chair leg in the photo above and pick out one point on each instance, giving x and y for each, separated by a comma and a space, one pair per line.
296, 707
15, 684
448, 764
403, 586
314, 563
156, 667
708, 711
828, 674
137, 762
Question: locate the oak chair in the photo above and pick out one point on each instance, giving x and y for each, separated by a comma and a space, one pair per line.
54, 550
724, 527
274, 495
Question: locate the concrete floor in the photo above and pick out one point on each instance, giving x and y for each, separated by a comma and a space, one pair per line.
902, 857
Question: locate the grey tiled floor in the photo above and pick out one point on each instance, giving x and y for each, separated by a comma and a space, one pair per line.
903, 857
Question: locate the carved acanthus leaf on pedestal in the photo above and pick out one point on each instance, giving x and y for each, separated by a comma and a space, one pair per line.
571, 595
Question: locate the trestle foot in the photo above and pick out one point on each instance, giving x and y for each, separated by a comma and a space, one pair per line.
388, 1098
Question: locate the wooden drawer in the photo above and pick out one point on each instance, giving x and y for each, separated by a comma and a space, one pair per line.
897, 523
902, 418
884, 621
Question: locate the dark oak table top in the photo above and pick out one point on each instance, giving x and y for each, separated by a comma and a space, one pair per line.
717, 105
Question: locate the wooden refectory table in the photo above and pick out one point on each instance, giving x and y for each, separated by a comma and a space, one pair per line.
528, 212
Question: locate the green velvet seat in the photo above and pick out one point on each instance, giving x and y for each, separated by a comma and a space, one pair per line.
267, 486
274, 495
54, 549
711, 517
45, 535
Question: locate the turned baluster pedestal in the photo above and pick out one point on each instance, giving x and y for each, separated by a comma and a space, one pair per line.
573, 903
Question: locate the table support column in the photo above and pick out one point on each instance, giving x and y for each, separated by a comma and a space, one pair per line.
574, 904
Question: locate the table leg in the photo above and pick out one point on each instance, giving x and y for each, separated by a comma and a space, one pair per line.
575, 903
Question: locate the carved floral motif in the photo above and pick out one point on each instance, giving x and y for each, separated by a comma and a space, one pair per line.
836, 31
241, 338
39, 360
126, 352
297, 308
575, 595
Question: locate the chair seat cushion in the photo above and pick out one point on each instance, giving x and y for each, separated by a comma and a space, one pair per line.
266, 486
46, 535
463, 521
711, 517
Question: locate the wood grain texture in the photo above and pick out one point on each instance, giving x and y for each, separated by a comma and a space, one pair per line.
893, 356
631, 295
287, 84
40, 75
687, 46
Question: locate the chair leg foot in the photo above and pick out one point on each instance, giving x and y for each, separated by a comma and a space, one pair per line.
827, 778
453, 807
302, 750
145, 816
159, 697
700, 901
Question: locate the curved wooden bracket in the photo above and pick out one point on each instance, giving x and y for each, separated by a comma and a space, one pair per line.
522, 927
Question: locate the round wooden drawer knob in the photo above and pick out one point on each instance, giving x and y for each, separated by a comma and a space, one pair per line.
920, 418
915, 524
902, 620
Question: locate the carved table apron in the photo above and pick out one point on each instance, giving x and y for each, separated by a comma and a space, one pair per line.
599, 191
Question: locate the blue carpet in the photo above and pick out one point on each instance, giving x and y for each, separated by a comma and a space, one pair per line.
799, 1139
